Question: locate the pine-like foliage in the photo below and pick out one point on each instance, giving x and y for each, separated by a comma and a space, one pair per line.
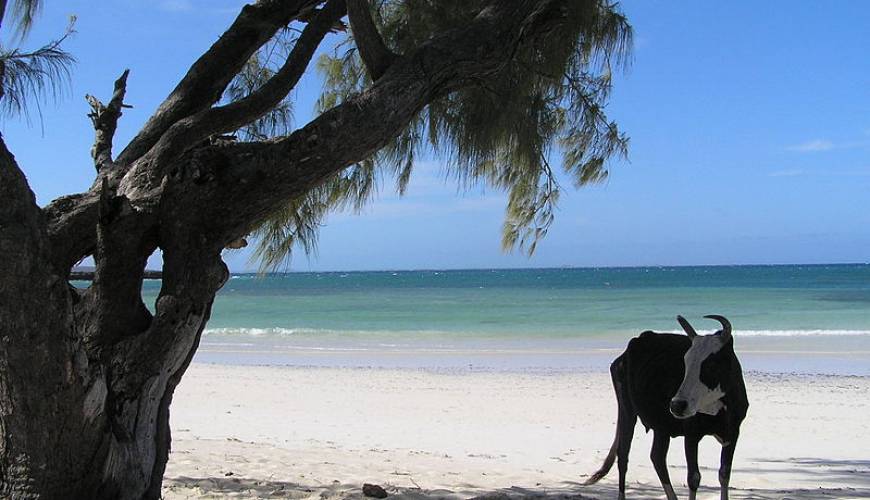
546, 106
258, 70
23, 12
28, 75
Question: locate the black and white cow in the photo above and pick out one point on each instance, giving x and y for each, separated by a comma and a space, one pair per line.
678, 385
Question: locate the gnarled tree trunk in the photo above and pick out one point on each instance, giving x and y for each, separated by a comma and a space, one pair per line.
87, 375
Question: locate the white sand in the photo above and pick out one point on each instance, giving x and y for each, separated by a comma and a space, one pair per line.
271, 432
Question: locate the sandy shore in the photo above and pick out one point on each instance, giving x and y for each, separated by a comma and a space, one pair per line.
272, 432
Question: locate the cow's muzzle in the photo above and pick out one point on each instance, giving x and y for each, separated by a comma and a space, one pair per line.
679, 407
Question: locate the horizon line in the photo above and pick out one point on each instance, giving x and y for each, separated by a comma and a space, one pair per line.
545, 268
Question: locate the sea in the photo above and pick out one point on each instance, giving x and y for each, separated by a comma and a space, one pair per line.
804, 319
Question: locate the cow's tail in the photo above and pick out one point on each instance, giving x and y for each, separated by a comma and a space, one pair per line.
616, 377
608, 463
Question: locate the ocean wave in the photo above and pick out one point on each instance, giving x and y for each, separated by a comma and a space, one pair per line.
257, 332
801, 333
285, 332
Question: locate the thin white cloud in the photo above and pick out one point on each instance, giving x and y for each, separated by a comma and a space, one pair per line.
813, 146
859, 172
184, 6
817, 145
829, 171
787, 173
176, 5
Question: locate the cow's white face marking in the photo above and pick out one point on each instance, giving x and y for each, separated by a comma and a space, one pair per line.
700, 398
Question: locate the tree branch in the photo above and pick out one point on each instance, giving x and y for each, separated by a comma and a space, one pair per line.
243, 183
375, 54
2, 11
241, 112
227, 188
72, 222
124, 240
190, 131
105, 120
206, 80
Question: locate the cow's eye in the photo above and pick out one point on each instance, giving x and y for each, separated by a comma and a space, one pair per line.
709, 373
714, 369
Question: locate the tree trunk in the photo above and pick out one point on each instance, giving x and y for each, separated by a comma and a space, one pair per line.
84, 440
84, 403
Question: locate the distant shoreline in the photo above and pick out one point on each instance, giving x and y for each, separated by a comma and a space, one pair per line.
546, 268
87, 274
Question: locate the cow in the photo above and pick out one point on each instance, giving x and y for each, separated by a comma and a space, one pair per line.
678, 385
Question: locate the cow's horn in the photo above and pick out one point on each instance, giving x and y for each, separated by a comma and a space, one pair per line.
687, 327
726, 325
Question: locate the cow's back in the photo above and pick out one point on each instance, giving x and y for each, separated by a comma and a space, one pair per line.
654, 369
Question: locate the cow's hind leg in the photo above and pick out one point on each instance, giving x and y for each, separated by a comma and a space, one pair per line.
625, 424
659, 455
626, 421
725, 467
694, 473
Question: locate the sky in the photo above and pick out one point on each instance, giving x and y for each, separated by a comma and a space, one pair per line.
749, 125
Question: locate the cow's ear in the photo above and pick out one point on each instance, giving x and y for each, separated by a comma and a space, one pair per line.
690, 331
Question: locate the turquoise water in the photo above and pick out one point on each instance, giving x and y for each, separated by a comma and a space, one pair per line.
786, 318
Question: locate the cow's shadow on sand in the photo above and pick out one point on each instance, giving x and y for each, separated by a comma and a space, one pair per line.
853, 475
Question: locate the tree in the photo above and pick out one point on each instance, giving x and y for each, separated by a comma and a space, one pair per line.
87, 375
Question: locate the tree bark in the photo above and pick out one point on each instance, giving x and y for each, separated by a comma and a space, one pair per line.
373, 51
87, 375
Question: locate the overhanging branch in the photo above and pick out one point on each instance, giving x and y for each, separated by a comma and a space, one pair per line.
374, 52
247, 182
238, 113
232, 186
190, 131
209, 76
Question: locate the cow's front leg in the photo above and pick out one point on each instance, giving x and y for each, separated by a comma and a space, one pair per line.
659, 455
693, 477
725, 467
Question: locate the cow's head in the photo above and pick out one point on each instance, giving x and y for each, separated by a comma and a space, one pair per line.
708, 362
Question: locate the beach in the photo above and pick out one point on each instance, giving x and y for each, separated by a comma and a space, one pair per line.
456, 384
244, 431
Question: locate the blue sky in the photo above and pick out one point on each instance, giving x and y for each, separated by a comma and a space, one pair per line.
749, 125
